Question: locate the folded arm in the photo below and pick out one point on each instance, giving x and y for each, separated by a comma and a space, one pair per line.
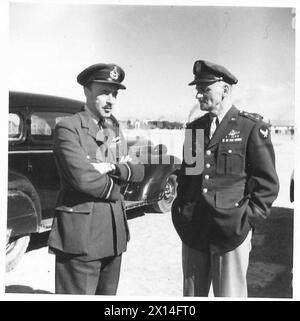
77, 169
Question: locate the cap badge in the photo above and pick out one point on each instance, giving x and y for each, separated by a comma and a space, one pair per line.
114, 73
198, 66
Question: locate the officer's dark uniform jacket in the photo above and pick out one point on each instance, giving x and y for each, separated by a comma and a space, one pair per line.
90, 215
236, 188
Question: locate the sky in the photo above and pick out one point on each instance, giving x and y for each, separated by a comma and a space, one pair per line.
49, 44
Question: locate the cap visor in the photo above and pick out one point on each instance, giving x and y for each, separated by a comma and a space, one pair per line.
192, 83
202, 81
120, 86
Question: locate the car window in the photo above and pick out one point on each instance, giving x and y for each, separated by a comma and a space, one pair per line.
43, 124
15, 127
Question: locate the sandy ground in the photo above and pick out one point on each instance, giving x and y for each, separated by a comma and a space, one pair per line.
151, 267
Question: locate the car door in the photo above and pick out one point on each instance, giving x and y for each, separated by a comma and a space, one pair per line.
42, 169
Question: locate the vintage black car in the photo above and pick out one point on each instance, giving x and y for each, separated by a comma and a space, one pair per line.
33, 181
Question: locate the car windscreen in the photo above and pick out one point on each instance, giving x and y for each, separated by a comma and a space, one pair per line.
43, 124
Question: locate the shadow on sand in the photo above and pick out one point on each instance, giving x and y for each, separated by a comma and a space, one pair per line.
271, 258
24, 289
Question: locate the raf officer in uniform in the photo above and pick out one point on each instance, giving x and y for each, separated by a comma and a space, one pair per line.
218, 207
90, 230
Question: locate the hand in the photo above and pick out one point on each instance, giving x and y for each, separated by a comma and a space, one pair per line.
125, 159
102, 168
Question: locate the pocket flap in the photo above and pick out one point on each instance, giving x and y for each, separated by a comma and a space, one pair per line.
228, 199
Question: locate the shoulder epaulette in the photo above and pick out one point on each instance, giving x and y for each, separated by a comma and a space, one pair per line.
252, 116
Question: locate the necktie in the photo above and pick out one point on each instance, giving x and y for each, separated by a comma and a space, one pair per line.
101, 123
213, 126
101, 134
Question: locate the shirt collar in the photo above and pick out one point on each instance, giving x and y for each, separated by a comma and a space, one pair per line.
222, 115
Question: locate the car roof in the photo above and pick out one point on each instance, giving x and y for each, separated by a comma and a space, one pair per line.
23, 99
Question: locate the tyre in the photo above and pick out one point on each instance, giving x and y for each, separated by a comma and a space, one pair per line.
15, 249
164, 205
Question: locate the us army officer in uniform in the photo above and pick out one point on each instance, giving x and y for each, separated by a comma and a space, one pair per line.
90, 231
216, 209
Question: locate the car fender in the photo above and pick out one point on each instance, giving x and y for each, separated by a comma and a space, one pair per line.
155, 185
151, 189
23, 206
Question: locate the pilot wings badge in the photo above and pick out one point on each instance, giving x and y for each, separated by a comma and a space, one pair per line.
114, 141
232, 136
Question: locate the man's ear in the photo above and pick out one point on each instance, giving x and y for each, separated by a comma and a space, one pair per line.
225, 91
86, 90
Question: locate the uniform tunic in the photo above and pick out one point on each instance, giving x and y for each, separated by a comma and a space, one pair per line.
90, 218
236, 187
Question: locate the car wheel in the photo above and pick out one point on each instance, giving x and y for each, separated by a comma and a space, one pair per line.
14, 251
164, 205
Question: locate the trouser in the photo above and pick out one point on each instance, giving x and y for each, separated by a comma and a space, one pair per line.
227, 272
75, 276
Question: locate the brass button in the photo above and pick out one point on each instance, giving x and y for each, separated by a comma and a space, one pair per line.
229, 151
205, 190
206, 176
207, 165
208, 152
236, 204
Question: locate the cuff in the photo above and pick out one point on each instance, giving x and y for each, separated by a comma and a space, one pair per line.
130, 172
123, 172
111, 191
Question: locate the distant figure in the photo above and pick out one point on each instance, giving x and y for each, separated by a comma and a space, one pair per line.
216, 210
137, 124
292, 132
90, 230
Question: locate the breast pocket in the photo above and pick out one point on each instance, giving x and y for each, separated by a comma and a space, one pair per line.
230, 161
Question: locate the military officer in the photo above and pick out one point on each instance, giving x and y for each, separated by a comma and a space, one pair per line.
90, 230
218, 207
